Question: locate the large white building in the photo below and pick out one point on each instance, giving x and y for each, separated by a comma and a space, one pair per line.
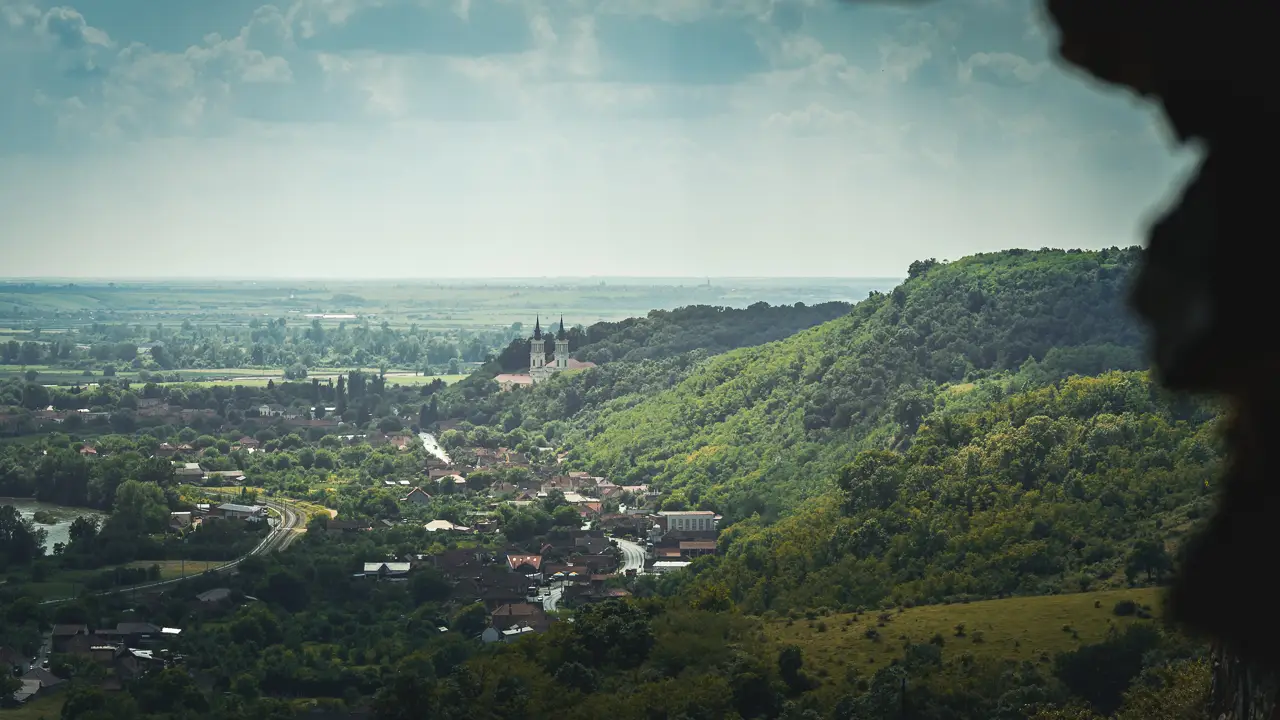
690, 520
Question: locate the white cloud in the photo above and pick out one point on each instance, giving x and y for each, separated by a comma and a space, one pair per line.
814, 119
460, 162
1003, 66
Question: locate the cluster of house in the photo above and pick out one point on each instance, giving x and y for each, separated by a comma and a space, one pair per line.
128, 650
207, 512
510, 583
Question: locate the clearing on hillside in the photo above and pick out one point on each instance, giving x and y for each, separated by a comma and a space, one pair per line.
1020, 628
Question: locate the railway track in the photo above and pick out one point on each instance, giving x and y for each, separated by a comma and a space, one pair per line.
280, 537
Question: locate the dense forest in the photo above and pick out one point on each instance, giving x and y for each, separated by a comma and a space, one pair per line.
1066, 488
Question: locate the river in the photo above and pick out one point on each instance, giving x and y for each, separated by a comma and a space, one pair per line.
59, 532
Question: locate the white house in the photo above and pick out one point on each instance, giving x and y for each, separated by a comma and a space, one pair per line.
251, 513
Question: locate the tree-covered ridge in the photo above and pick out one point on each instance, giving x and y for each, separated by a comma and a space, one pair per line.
638, 357
758, 429
664, 333
1061, 488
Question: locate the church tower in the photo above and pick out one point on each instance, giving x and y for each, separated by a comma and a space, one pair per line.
537, 349
562, 347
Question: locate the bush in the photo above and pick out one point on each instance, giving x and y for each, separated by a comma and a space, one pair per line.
1125, 608
960, 630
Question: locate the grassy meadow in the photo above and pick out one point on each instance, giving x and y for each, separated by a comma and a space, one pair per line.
1019, 628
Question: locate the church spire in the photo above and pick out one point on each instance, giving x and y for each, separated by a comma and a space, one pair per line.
537, 328
561, 335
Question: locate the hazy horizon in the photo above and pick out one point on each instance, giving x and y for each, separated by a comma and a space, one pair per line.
528, 138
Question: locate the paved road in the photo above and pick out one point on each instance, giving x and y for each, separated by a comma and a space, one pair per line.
280, 537
632, 555
552, 598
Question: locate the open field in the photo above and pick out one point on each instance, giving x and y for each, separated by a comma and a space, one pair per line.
1020, 628
406, 379
223, 377
48, 707
444, 304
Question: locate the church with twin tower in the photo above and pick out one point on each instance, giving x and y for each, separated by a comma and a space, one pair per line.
539, 370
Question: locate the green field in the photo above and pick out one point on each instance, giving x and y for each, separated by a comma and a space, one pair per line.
48, 707
443, 304
1020, 628
392, 379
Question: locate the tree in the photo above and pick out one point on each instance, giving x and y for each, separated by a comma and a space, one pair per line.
20, 540
471, 620
1149, 556
140, 508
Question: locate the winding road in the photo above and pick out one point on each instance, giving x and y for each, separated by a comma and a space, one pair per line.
632, 555
281, 536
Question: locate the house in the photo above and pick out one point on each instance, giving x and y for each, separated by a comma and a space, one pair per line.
249, 513
592, 544
507, 381
387, 569
133, 633
524, 564
214, 596
88, 450
437, 473
180, 520
248, 443
416, 496
166, 450
695, 548
438, 525
402, 442
233, 477
272, 410
63, 634
188, 470
663, 566
519, 614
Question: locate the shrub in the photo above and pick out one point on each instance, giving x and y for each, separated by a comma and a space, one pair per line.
960, 630
1125, 608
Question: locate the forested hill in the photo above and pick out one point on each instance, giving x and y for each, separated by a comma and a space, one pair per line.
760, 428
1063, 488
664, 333
638, 356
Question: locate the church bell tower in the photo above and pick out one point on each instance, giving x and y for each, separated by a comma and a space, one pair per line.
562, 347
537, 349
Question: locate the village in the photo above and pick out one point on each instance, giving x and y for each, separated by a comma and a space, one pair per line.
617, 535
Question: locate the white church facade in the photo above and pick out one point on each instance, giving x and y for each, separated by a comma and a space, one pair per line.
540, 368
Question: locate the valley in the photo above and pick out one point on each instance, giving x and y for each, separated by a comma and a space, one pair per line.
965, 485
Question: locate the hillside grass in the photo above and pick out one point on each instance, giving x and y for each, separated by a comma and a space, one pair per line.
48, 707
1020, 628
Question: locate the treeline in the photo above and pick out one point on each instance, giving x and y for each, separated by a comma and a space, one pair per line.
271, 343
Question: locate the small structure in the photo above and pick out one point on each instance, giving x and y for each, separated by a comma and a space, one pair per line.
438, 525
248, 513
389, 570
417, 496
215, 596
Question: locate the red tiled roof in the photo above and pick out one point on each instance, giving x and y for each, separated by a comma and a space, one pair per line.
533, 561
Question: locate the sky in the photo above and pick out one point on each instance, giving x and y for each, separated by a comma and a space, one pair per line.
529, 138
